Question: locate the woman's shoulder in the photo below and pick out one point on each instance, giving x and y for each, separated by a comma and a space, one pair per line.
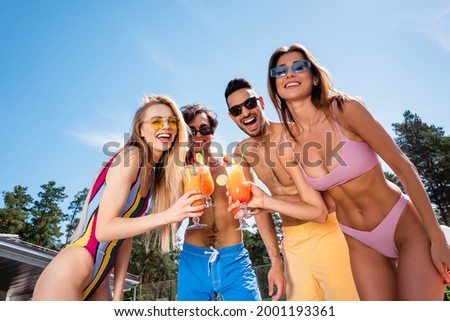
128, 158
347, 104
353, 114
132, 151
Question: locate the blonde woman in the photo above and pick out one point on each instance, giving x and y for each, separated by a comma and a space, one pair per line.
397, 249
137, 175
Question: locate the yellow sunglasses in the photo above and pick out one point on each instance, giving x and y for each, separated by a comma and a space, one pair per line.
158, 122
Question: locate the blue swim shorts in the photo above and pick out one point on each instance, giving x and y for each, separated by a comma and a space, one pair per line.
206, 274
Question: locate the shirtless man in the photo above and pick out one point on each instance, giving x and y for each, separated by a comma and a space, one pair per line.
316, 261
213, 260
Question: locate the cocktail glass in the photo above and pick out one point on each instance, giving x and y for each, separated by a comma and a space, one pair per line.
239, 192
206, 184
191, 181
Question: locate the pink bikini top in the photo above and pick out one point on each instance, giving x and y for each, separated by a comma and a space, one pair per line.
357, 159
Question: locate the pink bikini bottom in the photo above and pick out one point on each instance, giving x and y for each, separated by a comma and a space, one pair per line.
381, 238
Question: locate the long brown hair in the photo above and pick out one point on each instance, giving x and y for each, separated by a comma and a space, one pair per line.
321, 95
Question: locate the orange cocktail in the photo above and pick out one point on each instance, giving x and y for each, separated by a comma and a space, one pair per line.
192, 182
236, 178
239, 192
206, 184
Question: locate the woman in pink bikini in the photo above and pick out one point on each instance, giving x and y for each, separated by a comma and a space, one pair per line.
146, 171
397, 249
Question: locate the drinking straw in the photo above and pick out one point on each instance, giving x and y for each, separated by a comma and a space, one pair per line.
188, 171
203, 157
242, 155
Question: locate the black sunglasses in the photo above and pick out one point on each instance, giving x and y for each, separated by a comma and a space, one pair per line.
205, 130
249, 103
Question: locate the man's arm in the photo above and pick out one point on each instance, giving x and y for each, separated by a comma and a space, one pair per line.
266, 228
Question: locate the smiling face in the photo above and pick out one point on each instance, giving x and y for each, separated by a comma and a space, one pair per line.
157, 127
293, 85
200, 142
250, 121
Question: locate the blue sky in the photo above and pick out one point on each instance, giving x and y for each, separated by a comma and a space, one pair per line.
72, 73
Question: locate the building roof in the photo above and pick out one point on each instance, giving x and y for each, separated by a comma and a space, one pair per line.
21, 264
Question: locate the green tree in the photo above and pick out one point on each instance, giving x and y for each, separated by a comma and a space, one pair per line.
46, 217
256, 249
16, 211
255, 245
154, 266
76, 206
429, 150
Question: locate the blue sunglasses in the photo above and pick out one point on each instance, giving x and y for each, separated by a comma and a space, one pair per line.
297, 67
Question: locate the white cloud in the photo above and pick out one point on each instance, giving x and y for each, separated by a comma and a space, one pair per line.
100, 140
112, 131
157, 53
197, 10
432, 22
438, 29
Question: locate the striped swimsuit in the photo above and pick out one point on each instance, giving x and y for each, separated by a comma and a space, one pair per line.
104, 253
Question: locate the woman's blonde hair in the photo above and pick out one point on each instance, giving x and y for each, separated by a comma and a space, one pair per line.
167, 188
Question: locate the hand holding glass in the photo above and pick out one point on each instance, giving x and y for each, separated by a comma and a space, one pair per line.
191, 181
239, 192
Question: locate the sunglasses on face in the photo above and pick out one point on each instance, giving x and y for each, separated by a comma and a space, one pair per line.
158, 122
204, 131
249, 103
297, 67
